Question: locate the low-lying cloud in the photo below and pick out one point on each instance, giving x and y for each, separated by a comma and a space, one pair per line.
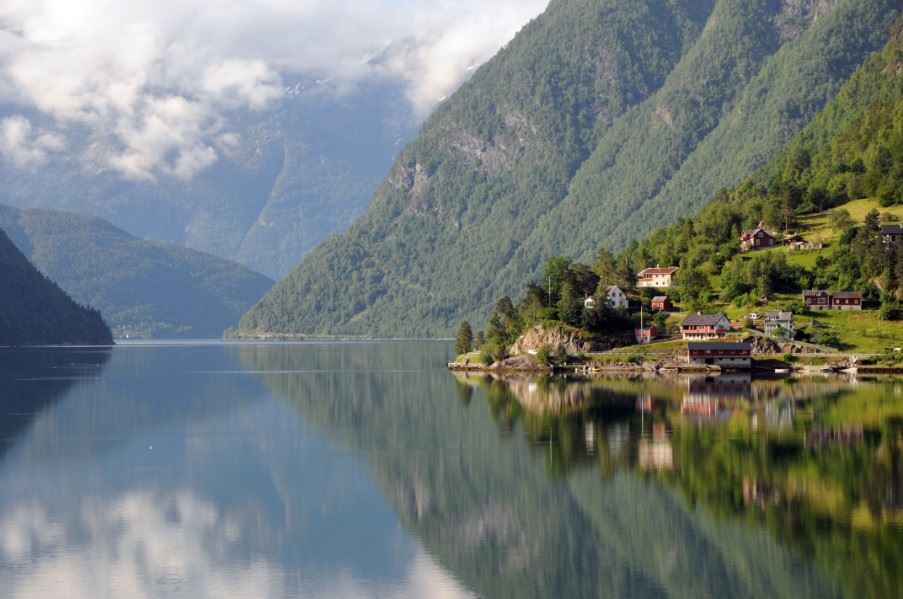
153, 81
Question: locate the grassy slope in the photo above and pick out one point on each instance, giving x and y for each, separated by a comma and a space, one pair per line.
859, 332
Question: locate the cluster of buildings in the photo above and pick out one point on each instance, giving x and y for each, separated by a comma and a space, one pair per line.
820, 299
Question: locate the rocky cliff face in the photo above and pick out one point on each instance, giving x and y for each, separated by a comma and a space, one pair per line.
555, 338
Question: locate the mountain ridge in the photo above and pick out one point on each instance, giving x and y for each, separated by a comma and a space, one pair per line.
144, 288
477, 200
36, 311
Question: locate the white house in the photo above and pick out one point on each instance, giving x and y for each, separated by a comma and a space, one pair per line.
779, 325
615, 298
657, 277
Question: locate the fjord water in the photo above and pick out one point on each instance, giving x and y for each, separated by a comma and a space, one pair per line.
367, 470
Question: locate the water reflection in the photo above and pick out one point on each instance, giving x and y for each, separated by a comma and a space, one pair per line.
816, 463
172, 473
367, 470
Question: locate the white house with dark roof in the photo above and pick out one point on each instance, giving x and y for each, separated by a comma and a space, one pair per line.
891, 233
615, 298
779, 325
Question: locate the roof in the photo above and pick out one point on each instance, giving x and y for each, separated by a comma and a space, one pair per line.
718, 346
892, 229
658, 270
751, 232
779, 316
610, 288
847, 294
814, 292
660, 298
702, 320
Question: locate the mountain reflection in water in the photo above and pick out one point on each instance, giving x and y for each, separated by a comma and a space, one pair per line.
367, 470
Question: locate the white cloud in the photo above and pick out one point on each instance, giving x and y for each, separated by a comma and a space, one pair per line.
154, 79
145, 544
24, 147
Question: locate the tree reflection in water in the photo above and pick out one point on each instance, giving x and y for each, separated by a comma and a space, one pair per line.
815, 462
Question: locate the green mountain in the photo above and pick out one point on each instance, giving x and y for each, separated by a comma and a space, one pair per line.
35, 311
600, 121
143, 288
852, 150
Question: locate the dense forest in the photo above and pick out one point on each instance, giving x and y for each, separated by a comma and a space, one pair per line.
143, 288
35, 311
600, 121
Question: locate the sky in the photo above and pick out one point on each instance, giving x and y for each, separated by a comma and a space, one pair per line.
154, 81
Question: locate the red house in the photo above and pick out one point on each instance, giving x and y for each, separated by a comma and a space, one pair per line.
754, 239
661, 303
705, 326
817, 299
646, 335
731, 355
846, 300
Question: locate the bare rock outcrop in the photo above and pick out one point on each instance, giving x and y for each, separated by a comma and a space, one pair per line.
555, 338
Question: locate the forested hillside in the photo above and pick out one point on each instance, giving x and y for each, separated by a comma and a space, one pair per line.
142, 288
35, 311
852, 150
599, 122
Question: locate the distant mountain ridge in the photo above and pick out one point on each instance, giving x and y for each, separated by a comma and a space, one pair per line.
35, 311
297, 172
143, 288
600, 121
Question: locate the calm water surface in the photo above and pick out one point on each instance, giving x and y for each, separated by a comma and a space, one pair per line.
367, 470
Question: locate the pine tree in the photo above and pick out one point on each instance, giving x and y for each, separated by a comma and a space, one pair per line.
464, 342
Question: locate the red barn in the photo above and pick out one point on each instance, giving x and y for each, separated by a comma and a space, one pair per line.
846, 300
661, 303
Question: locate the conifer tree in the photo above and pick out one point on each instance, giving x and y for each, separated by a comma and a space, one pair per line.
464, 341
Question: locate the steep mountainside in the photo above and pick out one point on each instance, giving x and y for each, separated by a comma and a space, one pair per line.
297, 173
35, 311
600, 121
852, 150
142, 288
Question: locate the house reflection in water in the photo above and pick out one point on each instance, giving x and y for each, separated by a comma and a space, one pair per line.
657, 453
707, 398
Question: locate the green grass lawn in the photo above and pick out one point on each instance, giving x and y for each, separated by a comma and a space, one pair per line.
860, 332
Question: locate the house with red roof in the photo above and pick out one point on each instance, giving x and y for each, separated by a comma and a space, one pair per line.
758, 238
658, 277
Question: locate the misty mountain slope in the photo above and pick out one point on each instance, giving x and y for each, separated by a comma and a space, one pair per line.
486, 166
143, 288
35, 311
511, 169
289, 177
